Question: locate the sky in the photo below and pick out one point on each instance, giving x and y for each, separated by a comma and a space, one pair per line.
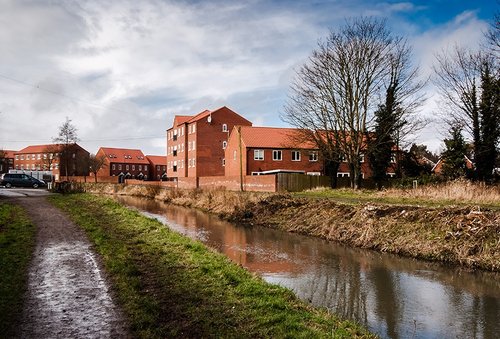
121, 70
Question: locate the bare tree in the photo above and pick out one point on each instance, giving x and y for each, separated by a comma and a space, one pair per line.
335, 94
67, 138
96, 163
493, 35
459, 76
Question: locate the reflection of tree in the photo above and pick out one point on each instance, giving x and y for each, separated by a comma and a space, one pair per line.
387, 303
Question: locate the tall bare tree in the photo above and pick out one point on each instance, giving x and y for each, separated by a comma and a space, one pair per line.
466, 80
67, 138
336, 92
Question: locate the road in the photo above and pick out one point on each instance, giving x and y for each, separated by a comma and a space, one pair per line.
23, 192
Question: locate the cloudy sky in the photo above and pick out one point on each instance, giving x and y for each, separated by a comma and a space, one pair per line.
121, 70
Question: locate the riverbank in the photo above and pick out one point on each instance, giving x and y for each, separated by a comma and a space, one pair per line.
171, 286
467, 235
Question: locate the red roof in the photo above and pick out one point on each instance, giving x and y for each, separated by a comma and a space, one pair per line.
272, 137
182, 119
124, 155
8, 153
157, 159
40, 148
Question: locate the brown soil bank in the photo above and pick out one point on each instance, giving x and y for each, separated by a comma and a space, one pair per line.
457, 235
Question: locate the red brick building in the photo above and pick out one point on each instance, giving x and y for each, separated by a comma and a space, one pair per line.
125, 163
158, 167
196, 144
54, 158
6, 161
254, 150
267, 150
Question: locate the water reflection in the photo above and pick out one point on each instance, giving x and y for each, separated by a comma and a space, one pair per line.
394, 297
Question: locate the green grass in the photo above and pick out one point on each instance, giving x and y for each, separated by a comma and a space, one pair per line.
17, 239
171, 286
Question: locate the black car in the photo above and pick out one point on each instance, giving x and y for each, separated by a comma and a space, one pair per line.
20, 180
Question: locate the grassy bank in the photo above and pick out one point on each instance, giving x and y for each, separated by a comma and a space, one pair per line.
17, 239
171, 286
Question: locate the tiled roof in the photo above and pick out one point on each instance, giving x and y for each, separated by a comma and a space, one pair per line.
124, 155
157, 159
181, 119
8, 153
39, 148
272, 137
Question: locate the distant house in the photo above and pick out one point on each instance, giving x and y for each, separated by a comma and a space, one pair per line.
438, 167
54, 158
196, 144
158, 165
265, 150
124, 163
6, 161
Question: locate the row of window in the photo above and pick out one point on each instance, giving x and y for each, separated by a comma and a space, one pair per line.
37, 156
180, 148
37, 167
258, 154
128, 167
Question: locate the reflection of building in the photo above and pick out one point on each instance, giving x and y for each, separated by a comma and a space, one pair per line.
6, 161
123, 162
158, 166
57, 158
196, 144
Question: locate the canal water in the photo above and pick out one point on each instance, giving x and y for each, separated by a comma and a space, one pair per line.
391, 296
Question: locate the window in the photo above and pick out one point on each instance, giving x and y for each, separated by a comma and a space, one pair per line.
194, 128
133, 167
45, 155
51, 156
393, 158
313, 156
361, 157
224, 127
295, 155
17, 157
33, 157
157, 167
145, 167
258, 154
22, 167
140, 167
234, 155
343, 158
22, 156
343, 175
175, 166
189, 146
113, 167
126, 167
190, 164
175, 137
224, 144
193, 145
277, 156
120, 167
163, 167
32, 166
223, 162
175, 151
38, 156
194, 162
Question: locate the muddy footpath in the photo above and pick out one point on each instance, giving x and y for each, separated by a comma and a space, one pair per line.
67, 294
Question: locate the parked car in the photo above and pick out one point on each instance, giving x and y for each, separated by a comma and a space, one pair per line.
20, 180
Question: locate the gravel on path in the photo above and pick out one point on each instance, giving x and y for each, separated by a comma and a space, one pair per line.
67, 295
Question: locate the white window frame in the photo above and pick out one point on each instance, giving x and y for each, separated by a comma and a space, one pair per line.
258, 154
361, 157
277, 152
393, 158
296, 152
224, 127
313, 156
224, 144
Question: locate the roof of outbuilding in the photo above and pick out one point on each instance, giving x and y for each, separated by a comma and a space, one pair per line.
124, 155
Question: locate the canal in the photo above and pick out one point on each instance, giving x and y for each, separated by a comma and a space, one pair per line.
393, 297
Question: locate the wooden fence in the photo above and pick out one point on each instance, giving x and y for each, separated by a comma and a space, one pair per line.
296, 182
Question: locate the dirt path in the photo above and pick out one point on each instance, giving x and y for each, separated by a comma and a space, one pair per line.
67, 296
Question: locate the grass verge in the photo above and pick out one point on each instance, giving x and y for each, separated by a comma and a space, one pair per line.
17, 240
171, 286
